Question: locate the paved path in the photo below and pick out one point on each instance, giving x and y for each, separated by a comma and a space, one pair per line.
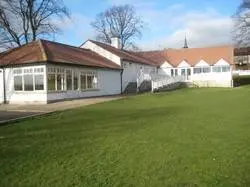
7, 116
11, 112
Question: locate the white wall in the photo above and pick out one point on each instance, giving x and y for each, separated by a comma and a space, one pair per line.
165, 69
212, 79
183, 64
1, 87
109, 83
90, 45
222, 79
131, 70
22, 97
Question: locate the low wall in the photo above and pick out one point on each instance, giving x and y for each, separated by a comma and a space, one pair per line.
226, 83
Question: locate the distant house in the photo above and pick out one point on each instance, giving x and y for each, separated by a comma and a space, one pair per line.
242, 58
45, 71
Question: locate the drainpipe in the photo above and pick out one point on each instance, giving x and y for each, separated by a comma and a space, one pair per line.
121, 79
4, 89
121, 74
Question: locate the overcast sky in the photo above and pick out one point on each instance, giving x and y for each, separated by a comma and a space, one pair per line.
204, 22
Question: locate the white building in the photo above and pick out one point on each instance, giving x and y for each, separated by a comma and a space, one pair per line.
204, 67
44, 71
131, 63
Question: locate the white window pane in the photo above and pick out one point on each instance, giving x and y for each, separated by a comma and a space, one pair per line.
206, 70
29, 70
18, 83
172, 72
76, 81
39, 82
176, 72
69, 79
217, 69
60, 82
28, 83
90, 83
83, 81
51, 82
17, 71
225, 68
197, 70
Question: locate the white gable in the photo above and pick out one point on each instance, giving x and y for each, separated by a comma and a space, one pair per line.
202, 63
101, 51
183, 64
222, 62
166, 65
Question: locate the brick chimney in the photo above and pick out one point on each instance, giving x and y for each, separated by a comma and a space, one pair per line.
116, 42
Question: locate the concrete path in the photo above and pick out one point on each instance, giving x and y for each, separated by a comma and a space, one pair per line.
11, 112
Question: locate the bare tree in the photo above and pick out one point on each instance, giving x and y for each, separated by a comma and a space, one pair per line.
242, 25
23, 21
118, 21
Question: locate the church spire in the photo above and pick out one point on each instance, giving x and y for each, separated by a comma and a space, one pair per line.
185, 43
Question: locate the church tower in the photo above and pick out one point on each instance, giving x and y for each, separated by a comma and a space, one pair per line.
185, 43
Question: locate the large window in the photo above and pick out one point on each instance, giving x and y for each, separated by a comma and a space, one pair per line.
56, 79
183, 72
28, 82
76, 81
18, 83
51, 82
28, 79
69, 79
88, 80
39, 82
176, 72
83, 81
198, 70
172, 72
219, 69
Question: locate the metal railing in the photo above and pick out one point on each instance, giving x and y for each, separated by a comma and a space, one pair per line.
141, 77
162, 81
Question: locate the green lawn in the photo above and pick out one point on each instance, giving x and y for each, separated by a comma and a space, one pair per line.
185, 138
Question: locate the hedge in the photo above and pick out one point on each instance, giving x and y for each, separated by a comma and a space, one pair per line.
241, 80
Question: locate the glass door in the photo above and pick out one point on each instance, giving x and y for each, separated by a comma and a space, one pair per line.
188, 73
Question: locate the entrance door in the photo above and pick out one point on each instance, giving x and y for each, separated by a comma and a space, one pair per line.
188, 73
1, 87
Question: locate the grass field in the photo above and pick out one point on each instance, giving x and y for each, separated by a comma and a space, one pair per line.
185, 138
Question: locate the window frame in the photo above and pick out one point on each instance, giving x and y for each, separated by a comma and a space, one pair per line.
202, 70
220, 68
76, 76
34, 71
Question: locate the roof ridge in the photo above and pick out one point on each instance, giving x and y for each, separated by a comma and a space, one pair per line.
43, 51
64, 44
208, 47
132, 54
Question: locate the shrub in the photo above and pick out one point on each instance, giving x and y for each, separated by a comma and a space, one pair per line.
241, 80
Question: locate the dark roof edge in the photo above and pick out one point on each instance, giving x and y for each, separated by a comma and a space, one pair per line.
58, 63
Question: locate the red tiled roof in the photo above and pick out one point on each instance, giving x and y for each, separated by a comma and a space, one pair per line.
192, 55
124, 54
47, 51
158, 57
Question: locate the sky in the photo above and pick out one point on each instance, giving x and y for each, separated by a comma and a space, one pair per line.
204, 22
